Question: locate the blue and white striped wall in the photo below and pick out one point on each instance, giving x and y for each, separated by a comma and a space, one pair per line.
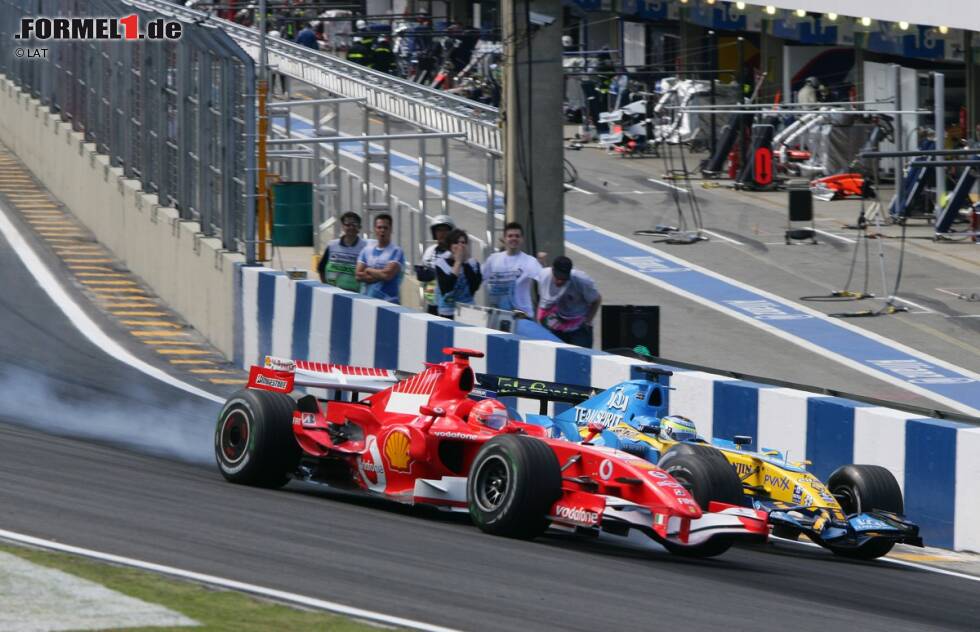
936, 462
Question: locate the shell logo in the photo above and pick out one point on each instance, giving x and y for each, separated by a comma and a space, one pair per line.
396, 450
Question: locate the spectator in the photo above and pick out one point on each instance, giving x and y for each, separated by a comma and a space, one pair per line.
338, 265
810, 92
359, 52
458, 274
307, 38
511, 273
379, 266
569, 302
362, 29
426, 273
283, 80
382, 57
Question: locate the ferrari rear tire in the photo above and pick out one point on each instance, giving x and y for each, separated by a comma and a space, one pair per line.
861, 488
253, 440
708, 476
512, 484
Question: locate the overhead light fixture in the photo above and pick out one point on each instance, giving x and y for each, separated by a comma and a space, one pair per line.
944, 29
903, 25
801, 13
740, 6
832, 17
710, 1
771, 10
865, 21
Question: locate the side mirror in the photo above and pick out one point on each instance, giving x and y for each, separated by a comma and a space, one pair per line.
741, 440
653, 429
432, 411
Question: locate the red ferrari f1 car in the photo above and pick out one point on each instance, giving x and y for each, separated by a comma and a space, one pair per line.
428, 440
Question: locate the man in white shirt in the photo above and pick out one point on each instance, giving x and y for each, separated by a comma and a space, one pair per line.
380, 263
510, 274
569, 302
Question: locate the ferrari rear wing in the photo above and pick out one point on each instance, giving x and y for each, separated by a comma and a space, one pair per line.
283, 375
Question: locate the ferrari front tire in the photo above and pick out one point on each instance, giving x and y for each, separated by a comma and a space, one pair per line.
707, 476
512, 484
253, 440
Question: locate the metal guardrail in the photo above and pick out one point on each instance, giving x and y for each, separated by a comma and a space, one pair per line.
403, 100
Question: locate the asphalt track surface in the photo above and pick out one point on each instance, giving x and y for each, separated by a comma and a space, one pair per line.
96, 454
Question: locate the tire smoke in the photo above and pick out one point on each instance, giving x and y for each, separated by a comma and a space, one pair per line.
164, 422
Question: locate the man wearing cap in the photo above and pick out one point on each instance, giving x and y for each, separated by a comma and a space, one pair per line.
440, 227
568, 302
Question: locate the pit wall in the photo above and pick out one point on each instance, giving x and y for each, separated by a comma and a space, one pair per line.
936, 462
191, 273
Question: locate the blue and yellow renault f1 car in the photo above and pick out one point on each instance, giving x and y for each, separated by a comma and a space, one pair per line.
858, 513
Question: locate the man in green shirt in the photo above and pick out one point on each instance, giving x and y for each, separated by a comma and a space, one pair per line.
339, 260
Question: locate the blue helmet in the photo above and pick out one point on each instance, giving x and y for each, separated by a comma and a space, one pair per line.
677, 428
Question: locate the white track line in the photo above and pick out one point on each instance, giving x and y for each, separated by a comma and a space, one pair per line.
908, 302
833, 236
278, 595
667, 184
916, 565
49, 283
575, 188
722, 237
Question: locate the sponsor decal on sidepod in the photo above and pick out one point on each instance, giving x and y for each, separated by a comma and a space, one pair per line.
456, 435
577, 514
396, 449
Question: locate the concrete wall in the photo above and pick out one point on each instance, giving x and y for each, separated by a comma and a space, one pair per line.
936, 462
192, 274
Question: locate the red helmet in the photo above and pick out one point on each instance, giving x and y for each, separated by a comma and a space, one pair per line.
490, 413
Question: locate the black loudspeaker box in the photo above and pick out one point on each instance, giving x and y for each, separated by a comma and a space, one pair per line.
800, 205
625, 326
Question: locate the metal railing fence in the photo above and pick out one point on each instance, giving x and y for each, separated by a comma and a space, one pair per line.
398, 98
179, 116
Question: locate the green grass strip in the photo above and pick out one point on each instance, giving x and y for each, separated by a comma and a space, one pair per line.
214, 608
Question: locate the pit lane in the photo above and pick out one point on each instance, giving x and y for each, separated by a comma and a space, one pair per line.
178, 511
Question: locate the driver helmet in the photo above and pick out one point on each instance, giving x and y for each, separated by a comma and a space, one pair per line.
567, 41
813, 82
490, 413
360, 25
441, 220
677, 428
